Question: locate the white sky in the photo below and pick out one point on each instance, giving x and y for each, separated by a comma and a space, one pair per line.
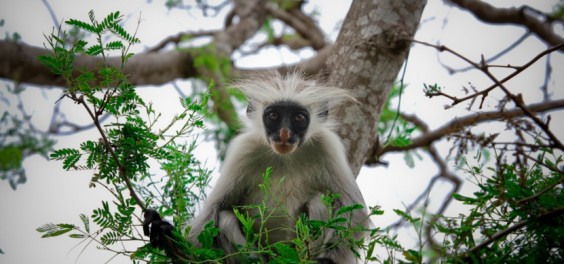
54, 195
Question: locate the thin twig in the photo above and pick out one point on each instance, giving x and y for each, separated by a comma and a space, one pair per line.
485, 92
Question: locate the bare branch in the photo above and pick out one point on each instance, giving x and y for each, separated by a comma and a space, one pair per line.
458, 124
534, 20
485, 92
179, 37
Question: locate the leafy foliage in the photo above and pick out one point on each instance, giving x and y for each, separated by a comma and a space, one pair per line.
120, 157
518, 214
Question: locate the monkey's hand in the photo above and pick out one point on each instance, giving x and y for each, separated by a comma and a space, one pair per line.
156, 228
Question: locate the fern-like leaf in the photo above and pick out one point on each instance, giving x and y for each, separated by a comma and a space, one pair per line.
86, 222
94, 50
102, 216
110, 238
114, 45
83, 25
79, 46
52, 230
118, 30
63, 153
52, 63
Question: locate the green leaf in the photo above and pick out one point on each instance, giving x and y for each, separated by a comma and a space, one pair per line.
350, 208
83, 25
77, 236
110, 238
403, 214
52, 230
51, 63
86, 222
114, 45
207, 235
289, 254
465, 199
94, 50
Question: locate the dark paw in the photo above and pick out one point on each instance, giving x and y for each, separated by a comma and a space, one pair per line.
325, 261
156, 228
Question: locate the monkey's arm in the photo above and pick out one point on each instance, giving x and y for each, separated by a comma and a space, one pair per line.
339, 179
229, 191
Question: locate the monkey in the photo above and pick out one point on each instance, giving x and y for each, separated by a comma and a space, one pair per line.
290, 132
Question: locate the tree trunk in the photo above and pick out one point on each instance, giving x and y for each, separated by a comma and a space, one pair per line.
370, 49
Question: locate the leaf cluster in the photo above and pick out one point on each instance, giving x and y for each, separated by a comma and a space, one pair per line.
120, 157
516, 214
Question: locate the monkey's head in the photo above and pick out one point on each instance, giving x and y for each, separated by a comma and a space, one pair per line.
289, 110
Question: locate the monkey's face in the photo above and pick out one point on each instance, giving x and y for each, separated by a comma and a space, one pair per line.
286, 124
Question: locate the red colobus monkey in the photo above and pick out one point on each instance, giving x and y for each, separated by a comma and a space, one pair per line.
291, 132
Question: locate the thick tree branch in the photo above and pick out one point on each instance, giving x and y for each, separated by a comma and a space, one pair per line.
301, 23
309, 67
18, 62
524, 16
458, 124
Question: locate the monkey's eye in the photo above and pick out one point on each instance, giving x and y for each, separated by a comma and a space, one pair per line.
299, 118
272, 116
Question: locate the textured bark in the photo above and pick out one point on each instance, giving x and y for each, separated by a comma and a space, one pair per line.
369, 52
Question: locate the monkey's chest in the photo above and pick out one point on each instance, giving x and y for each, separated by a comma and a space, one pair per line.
276, 208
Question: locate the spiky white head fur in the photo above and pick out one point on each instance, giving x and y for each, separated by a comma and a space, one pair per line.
317, 97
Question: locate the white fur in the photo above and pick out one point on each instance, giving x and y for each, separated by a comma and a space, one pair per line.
317, 167
264, 90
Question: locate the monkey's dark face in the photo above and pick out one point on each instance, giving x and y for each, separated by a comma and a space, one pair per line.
286, 125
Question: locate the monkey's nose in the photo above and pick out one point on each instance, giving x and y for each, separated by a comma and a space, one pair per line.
285, 135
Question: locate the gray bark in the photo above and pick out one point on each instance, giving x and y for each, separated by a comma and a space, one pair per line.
370, 49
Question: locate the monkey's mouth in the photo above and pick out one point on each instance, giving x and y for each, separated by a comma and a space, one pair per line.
283, 148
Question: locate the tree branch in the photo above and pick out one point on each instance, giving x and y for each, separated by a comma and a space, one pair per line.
175, 39
524, 16
458, 124
301, 23
18, 62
